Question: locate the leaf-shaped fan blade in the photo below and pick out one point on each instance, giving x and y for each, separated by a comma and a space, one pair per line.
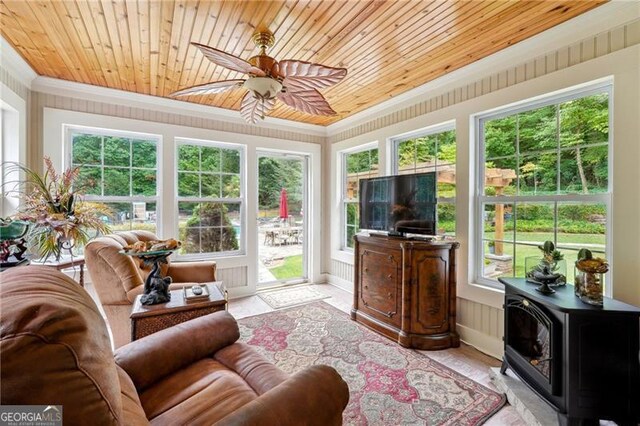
309, 101
209, 88
300, 75
228, 61
253, 108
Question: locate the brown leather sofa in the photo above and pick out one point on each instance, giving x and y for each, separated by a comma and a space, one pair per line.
118, 279
54, 350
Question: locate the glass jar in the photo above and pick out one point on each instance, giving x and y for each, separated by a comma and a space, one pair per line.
589, 287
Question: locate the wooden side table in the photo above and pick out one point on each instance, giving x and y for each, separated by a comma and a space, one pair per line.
65, 263
148, 319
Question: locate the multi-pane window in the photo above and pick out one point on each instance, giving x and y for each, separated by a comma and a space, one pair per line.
544, 175
355, 166
210, 196
434, 152
118, 170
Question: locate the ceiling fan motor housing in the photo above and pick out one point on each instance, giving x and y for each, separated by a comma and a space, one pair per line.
265, 87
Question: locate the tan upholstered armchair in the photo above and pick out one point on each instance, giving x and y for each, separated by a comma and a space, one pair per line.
118, 279
54, 350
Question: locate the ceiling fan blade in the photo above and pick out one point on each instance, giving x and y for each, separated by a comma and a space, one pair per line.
306, 75
309, 101
253, 108
228, 61
209, 88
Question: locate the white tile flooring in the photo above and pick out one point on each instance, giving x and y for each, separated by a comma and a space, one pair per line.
465, 360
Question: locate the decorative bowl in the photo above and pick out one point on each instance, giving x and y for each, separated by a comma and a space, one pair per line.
11, 230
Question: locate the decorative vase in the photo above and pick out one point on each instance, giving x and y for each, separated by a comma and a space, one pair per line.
589, 286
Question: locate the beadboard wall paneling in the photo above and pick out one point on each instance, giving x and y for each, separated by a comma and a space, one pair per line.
598, 45
233, 277
40, 100
13, 84
341, 270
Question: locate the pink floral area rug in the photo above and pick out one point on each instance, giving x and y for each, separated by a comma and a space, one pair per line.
389, 384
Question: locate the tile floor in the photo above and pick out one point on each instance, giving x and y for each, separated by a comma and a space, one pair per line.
465, 359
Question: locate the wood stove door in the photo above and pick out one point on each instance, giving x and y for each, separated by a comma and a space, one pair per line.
533, 344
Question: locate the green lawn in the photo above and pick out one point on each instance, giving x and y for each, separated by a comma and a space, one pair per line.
291, 268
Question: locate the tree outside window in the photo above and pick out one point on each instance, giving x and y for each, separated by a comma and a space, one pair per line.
356, 166
210, 197
545, 177
433, 152
118, 170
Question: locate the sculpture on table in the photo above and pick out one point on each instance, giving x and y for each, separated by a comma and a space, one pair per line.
548, 270
154, 253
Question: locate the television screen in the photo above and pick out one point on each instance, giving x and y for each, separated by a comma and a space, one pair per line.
403, 204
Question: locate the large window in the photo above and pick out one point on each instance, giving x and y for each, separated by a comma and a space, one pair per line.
434, 151
356, 165
119, 170
543, 175
210, 196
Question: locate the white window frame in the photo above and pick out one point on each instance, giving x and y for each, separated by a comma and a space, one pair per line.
70, 130
431, 130
179, 141
597, 198
343, 184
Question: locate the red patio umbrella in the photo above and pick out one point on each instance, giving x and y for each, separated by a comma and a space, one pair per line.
284, 206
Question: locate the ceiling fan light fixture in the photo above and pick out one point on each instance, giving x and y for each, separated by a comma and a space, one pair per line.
265, 87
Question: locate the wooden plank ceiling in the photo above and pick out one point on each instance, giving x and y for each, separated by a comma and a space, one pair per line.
388, 47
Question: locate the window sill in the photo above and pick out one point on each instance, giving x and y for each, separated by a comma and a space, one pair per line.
343, 256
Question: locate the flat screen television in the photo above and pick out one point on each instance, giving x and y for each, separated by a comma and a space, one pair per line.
403, 204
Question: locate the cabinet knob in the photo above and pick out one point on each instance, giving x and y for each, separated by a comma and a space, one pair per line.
389, 294
389, 276
390, 257
366, 287
366, 269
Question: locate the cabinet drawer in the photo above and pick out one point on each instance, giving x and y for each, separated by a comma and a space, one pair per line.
379, 289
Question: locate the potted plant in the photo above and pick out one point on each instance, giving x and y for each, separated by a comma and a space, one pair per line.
492, 247
53, 204
548, 269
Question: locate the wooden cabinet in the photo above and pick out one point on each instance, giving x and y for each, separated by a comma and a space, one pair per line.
406, 290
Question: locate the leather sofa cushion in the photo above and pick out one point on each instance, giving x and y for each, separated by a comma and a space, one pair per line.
131, 408
200, 394
53, 337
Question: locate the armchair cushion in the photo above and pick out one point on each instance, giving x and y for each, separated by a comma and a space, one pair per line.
200, 272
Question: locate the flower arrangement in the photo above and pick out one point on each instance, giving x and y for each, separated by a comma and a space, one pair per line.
548, 267
53, 204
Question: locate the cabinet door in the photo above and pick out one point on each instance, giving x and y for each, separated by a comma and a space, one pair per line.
430, 291
380, 292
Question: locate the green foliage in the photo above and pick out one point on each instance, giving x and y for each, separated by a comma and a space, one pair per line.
115, 166
275, 174
363, 161
209, 229
528, 142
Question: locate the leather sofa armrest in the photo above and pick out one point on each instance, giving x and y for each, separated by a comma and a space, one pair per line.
189, 272
158, 355
314, 396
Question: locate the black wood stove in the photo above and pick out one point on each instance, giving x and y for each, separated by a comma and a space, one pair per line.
583, 360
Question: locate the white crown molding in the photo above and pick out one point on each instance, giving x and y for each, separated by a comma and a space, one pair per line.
89, 92
15, 64
601, 19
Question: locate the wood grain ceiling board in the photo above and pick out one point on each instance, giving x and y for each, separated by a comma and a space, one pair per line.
388, 47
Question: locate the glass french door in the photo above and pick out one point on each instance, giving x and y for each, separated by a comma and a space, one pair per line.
282, 224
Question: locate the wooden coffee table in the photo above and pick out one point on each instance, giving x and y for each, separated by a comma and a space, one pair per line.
148, 319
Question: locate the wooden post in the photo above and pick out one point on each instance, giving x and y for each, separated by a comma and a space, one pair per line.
499, 224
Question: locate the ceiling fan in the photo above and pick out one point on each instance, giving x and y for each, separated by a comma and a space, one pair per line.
295, 83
